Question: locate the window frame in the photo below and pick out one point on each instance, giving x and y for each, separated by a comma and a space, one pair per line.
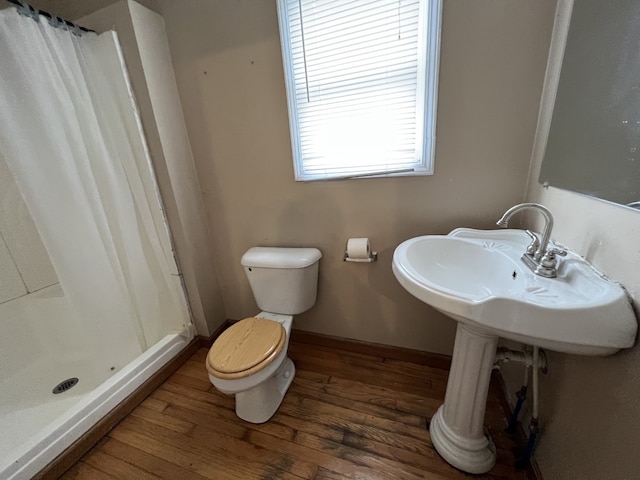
427, 95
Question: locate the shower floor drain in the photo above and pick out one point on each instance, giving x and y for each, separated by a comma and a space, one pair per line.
65, 385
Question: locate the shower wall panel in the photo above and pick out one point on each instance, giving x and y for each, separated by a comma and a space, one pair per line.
11, 285
21, 240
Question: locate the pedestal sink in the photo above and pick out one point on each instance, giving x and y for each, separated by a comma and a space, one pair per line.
477, 278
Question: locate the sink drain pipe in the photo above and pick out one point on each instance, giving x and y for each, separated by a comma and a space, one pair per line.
521, 395
537, 360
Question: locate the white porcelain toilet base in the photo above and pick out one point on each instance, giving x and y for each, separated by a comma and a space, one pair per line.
259, 404
457, 428
259, 395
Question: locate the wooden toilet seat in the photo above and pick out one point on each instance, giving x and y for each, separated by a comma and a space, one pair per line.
246, 348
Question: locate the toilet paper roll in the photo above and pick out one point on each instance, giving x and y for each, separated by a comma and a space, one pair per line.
358, 249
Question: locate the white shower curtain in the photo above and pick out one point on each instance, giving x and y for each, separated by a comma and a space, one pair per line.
72, 140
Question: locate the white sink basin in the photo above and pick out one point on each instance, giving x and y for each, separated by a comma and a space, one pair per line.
477, 277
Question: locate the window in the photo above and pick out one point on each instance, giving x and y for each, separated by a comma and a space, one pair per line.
361, 85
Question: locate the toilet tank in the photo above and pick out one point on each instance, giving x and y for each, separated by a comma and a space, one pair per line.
283, 280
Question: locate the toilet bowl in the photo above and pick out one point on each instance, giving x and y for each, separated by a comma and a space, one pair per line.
251, 363
249, 359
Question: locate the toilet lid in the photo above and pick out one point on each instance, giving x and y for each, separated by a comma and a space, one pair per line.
246, 347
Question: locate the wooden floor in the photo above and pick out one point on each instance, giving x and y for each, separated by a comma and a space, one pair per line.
346, 415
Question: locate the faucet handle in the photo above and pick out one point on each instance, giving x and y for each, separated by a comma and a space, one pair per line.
535, 243
549, 260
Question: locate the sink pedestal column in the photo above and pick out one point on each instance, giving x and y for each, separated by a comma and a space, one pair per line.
457, 428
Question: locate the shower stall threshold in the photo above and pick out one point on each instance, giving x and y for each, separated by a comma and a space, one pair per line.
38, 454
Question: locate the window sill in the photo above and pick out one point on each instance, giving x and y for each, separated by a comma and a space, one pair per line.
402, 173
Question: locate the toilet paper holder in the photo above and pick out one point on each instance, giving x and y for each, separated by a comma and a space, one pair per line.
373, 257
361, 252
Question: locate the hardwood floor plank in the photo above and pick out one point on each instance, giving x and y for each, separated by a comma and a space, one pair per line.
360, 458
222, 419
178, 449
167, 421
200, 383
359, 399
426, 387
298, 424
417, 370
335, 429
369, 363
314, 410
215, 423
247, 452
203, 410
418, 456
200, 356
324, 474
312, 376
239, 453
345, 356
194, 369
149, 463
154, 404
371, 349
208, 399
84, 471
116, 467
327, 460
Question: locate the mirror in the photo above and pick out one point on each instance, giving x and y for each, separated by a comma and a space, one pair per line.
593, 143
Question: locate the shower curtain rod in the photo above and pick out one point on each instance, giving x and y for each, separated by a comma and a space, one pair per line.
34, 12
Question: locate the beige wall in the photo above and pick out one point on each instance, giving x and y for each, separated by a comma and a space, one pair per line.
226, 57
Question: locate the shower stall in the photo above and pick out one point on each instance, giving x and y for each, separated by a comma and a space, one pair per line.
91, 300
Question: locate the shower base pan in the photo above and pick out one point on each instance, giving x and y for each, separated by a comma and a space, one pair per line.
26, 447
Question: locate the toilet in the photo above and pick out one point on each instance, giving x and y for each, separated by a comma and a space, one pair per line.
249, 359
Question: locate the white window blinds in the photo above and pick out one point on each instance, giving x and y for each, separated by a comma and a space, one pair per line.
361, 85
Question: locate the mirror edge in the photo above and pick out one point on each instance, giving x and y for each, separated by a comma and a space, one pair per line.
550, 88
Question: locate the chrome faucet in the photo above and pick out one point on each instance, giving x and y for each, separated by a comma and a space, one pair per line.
537, 257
